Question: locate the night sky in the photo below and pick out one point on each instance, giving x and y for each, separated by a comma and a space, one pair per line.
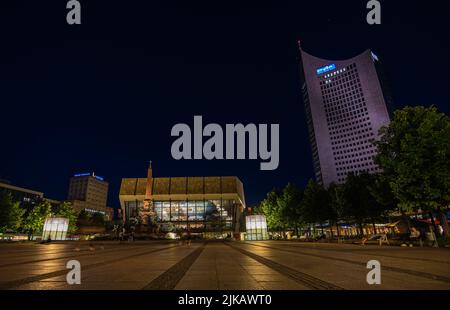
103, 96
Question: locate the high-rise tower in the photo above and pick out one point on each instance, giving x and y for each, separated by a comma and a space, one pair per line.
88, 192
345, 103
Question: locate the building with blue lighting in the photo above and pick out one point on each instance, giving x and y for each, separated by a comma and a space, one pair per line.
346, 105
88, 192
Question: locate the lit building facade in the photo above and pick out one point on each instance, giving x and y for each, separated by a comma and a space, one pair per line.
23, 195
88, 192
211, 206
55, 228
256, 227
346, 104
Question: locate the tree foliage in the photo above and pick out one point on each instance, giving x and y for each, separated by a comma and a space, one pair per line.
35, 218
414, 152
282, 208
289, 206
10, 212
271, 210
66, 210
90, 219
316, 204
360, 203
337, 201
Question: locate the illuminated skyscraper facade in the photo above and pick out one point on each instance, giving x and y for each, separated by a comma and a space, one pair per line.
346, 104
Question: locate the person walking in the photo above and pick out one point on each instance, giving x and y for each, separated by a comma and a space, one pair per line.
423, 236
404, 231
122, 234
188, 237
414, 236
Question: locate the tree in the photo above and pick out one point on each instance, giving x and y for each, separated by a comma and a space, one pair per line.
358, 199
271, 210
414, 152
10, 212
381, 191
83, 219
360, 202
34, 220
66, 210
377, 198
308, 204
316, 205
94, 219
289, 207
99, 219
337, 202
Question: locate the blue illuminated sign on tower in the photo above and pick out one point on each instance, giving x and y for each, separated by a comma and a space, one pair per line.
81, 174
326, 69
88, 174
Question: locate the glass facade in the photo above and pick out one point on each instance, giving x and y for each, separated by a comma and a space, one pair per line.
55, 228
198, 215
201, 215
256, 227
132, 208
211, 206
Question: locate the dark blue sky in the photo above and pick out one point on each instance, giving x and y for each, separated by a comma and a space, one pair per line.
104, 96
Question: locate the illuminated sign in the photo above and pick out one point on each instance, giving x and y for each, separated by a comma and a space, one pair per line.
88, 175
375, 57
94, 211
82, 174
326, 69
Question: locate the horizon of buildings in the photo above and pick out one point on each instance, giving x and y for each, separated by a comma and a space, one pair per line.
346, 104
83, 193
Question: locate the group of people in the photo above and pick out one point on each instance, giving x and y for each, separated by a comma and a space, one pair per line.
409, 234
121, 234
185, 238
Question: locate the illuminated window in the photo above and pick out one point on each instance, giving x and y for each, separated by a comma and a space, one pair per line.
200, 210
166, 211
256, 227
191, 210
55, 228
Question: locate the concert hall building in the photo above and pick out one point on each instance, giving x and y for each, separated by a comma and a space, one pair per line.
346, 104
210, 206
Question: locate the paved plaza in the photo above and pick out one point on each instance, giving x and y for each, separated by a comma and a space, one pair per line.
258, 265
